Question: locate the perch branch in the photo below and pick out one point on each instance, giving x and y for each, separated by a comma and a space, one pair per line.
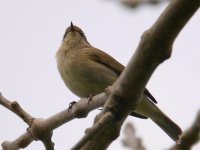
41, 129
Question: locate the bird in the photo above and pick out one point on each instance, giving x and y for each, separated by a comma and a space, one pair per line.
87, 70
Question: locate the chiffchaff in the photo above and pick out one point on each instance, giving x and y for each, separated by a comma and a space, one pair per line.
87, 70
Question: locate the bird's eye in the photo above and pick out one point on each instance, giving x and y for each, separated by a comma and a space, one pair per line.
82, 33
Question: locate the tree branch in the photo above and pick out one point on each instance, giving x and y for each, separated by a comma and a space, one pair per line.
136, 3
41, 129
154, 48
16, 109
131, 140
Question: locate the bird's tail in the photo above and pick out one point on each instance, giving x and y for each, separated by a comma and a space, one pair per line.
149, 109
165, 123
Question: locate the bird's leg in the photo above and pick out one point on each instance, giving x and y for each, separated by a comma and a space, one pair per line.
71, 104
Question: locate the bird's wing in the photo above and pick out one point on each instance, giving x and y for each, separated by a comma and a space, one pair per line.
108, 61
148, 94
105, 59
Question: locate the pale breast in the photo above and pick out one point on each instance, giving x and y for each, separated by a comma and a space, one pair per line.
84, 76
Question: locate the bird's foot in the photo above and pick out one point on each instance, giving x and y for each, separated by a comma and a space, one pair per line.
71, 105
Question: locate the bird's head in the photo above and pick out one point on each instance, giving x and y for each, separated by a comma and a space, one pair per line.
75, 37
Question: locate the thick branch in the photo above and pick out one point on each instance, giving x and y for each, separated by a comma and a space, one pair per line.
154, 48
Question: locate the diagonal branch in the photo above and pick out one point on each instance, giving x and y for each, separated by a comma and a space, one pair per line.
154, 48
16, 109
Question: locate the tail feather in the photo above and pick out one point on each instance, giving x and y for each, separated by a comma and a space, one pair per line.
172, 129
150, 110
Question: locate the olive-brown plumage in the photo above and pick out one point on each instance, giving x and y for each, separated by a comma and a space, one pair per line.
87, 70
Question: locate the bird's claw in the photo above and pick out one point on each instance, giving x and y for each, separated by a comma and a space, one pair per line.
71, 104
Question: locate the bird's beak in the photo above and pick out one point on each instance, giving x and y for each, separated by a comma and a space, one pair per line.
72, 27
